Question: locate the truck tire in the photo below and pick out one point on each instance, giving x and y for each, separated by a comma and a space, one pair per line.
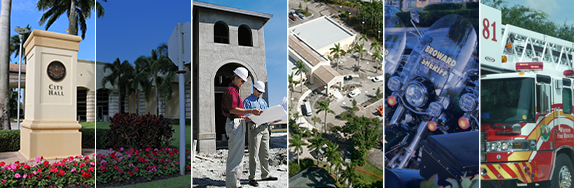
562, 174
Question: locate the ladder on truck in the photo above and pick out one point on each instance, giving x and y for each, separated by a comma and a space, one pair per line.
523, 45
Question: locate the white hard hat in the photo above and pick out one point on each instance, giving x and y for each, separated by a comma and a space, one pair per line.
241, 72
259, 85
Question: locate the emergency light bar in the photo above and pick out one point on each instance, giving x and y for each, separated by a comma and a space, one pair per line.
569, 73
529, 66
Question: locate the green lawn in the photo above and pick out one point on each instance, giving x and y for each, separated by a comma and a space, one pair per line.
372, 169
88, 125
181, 181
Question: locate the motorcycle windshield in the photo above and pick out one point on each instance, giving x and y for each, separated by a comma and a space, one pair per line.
507, 100
395, 40
444, 54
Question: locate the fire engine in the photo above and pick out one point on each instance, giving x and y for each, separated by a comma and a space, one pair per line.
527, 135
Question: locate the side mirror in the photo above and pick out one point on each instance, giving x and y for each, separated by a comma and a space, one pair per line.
415, 16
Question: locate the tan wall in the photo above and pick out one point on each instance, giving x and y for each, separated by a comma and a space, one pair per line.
172, 106
86, 75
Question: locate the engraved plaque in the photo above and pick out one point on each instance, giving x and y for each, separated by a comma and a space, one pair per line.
56, 71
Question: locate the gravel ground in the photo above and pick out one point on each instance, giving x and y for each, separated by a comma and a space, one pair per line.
212, 173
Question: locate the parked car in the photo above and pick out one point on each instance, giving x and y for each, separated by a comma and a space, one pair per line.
348, 77
377, 78
354, 93
307, 109
300, 15
292, 16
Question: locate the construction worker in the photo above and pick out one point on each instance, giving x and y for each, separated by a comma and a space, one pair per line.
232, 109
258, 136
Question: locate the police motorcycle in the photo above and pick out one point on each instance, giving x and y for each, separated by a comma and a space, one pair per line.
426, 95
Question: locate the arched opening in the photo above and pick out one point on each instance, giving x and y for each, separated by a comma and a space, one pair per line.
245, 38
102, 105
221, 32
81, 98
222, 79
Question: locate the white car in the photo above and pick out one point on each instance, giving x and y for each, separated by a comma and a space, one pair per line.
354, 93
377, 78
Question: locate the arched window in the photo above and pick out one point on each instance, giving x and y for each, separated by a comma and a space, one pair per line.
245, 38
221, 32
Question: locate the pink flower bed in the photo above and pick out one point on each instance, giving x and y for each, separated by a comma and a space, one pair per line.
68, 171
131, 164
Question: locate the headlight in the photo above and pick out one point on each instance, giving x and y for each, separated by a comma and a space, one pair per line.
416, 94
511, 146
394, 83
434, 109
467, 102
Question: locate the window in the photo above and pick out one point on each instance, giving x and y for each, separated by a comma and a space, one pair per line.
567, 100
245, 38
221, 32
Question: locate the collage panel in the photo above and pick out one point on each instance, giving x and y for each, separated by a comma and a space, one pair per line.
336, 91
431, 110
239, 93
143, 128
46, 136
526, 94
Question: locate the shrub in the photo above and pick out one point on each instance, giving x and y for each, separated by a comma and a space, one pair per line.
9, 140
293, 168
143, 131
94, 138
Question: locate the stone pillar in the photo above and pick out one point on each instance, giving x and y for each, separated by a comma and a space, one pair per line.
50, 128
114, 104
141, 103
91, 106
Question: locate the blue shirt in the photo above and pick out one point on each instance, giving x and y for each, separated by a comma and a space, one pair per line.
252, 102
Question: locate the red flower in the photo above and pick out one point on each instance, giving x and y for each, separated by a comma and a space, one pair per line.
46, 163
48, 176
17, 162
116, 167
86, 175
82, 165
26, 167
2, 164
39, 170
91, 169
130, 172
39, 175
62, 172
136, 168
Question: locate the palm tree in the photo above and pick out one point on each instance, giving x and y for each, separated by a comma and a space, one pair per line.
120, 77
360, 49
377, 56
300, 70
333, 156
363, 38
348, 174
156, 71
324, 106
375, 45
77, 12
5, 62
297, 142
336, 51
291, 83
317, 143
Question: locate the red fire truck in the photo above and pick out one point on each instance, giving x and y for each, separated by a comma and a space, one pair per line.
527, 124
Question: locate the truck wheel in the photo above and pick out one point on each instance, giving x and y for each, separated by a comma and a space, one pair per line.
562, 174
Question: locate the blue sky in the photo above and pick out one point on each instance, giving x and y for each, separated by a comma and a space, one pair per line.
24, 12
559, 10
275, 42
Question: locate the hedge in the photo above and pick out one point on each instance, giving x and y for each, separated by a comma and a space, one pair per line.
10, 139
